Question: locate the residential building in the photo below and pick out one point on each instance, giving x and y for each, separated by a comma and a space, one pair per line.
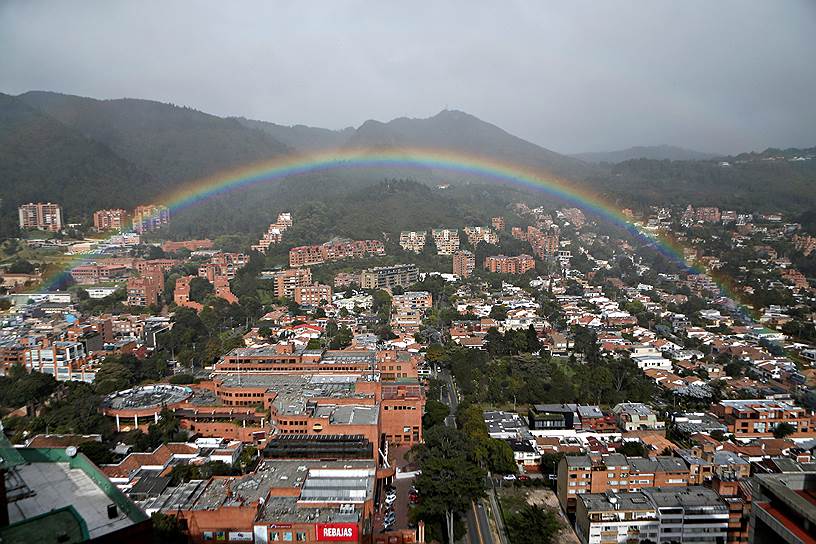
150, 217
784, 508
759, 417
92, 273
636, 416
169, 246
313, 295
596, 473
408, 309
501, 264
145, 290
41, 216
498, 223
708, 215
111, 219
286, 281
388, 277
274, 233
663, 516
413, 240
476, 235
63, 360
464, 262
223, 264
446, 241
181, 294
549, 417
334, 251
606, 518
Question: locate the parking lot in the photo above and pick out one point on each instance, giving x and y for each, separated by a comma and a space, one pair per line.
400, 507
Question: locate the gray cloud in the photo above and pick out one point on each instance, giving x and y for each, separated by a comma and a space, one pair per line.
723, 76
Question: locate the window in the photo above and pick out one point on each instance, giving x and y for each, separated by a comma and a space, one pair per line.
300, 536
287, 536
274, 536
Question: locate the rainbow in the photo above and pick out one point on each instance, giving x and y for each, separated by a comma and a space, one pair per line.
201, 190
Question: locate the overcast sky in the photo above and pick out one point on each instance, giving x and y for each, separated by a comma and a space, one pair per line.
722, 76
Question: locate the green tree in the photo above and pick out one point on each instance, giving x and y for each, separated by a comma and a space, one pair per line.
450, 479
21, 266
200, 288
632, 448
97, 452
532, 525
783, 429
167, 529
435, 413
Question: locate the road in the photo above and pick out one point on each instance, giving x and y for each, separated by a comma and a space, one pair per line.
449, 396
477, 524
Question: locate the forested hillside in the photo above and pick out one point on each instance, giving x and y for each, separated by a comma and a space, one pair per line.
43, 159
780, 185
88, 154
171, 143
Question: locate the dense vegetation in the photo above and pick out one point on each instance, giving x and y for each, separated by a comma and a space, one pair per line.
761, 185
530, 379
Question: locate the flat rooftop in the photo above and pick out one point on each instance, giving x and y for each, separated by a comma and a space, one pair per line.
147, 396
38, 488
695, 496
294, 393
319, 482
600, 502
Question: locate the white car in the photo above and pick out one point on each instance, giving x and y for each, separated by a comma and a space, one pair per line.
390, 499
510, 477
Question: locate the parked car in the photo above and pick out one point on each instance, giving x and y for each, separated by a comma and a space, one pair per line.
523, 478
510, 477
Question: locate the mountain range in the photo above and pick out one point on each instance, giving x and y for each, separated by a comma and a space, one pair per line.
87, 154
654, 152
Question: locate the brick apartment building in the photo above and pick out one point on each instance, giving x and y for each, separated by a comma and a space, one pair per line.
110, 219
91, 274
388, 277
498, 223
181, 294
594, 473
150, 217
501, 264
518, 233
308, 394
145, 290
223, 264
40, 216
464, 262
314, 294
334, 251
286, 281
758, 417
169, 246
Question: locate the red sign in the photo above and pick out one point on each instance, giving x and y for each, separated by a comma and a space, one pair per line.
337, 531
